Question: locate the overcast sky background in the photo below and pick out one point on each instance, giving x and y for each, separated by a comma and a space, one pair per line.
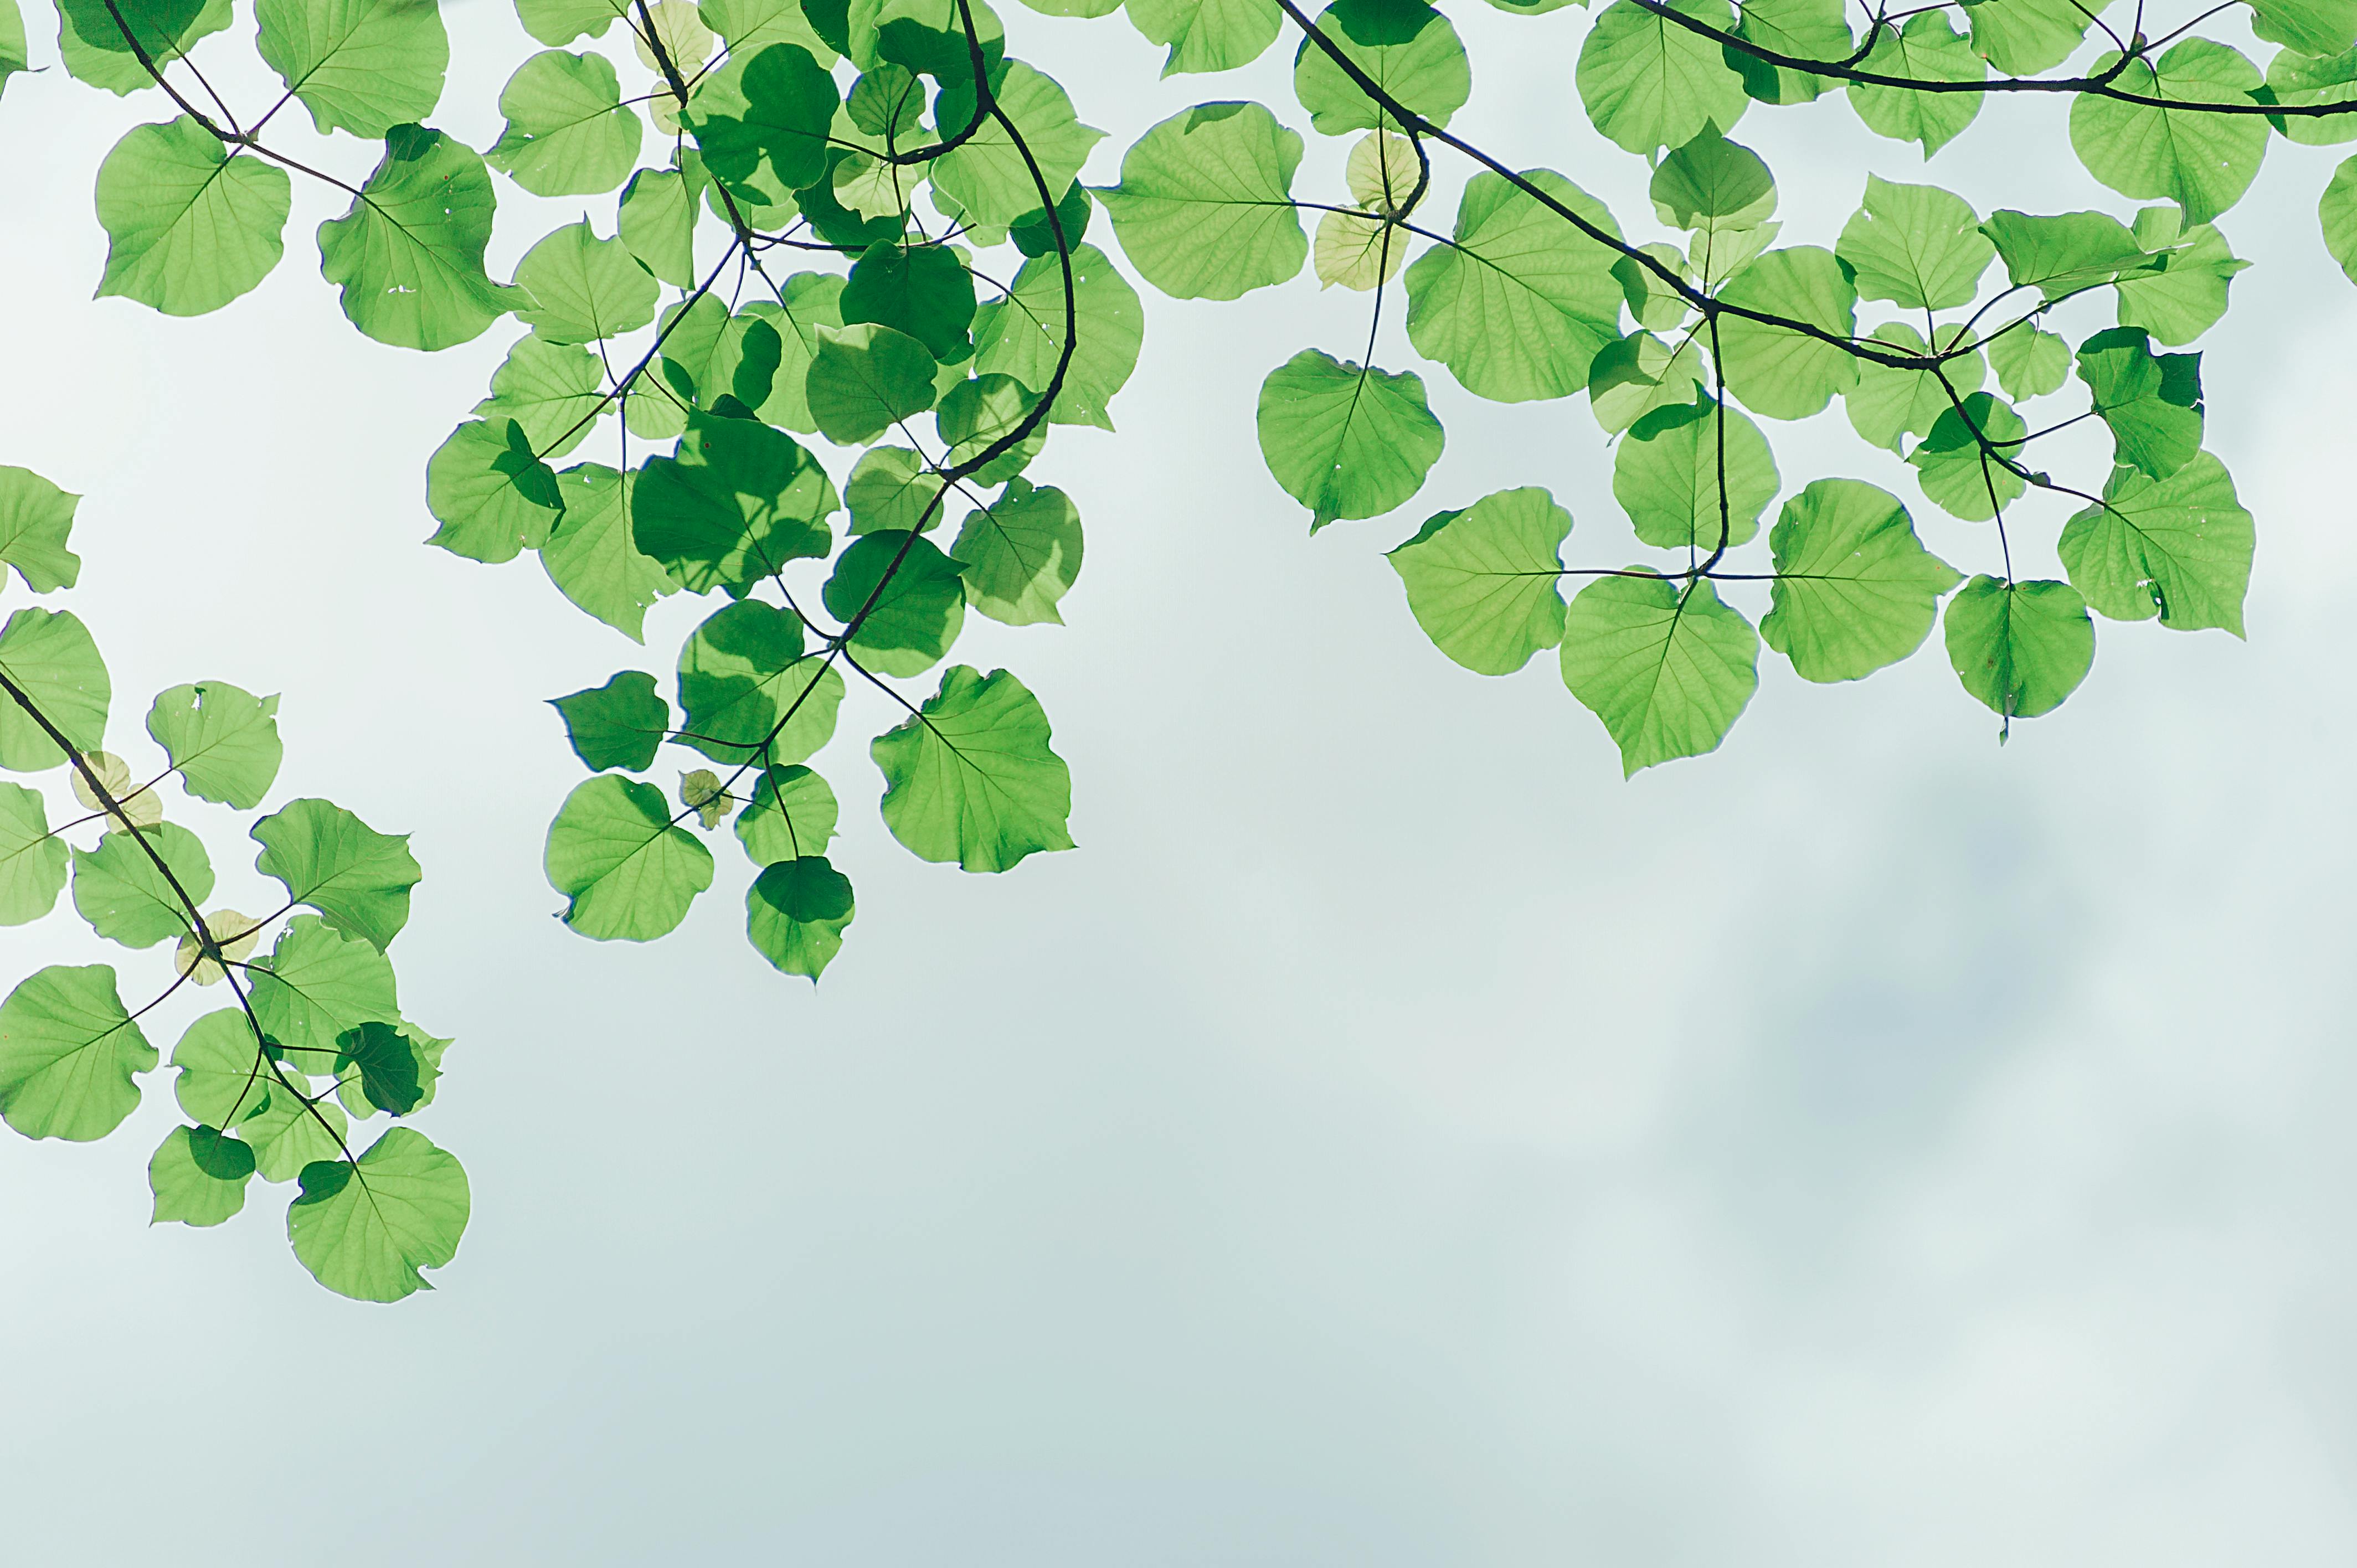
1390, 1140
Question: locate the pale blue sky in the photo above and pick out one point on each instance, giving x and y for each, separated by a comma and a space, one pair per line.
1390, 1140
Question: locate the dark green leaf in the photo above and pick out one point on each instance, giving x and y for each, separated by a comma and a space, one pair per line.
743, 675
912, 617
796, 913
735, 503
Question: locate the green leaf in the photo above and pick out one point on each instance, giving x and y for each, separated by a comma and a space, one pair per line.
189, 226
1776, 370
1204, 210
318, 983
362, 66
222, 1080
392, 1075
127, 898
768, 110
556, 22
32, 860
749, 26
811, 300
989, 176
2022, 38
1649, 84
1639, 374
1023, 334
2028, 362
1207, 35
224, 741
2179, 547
2203, 162
584, 288
97, 51
1804, 30
492, 497
919, 611
409, 254
1405, 46
568, 135
1957, 474
1034, 237
13, 57
1022, 554
628, 872
1926, 50
591, 555
1915, 245
923, 290
2185, 296
1854, 589
67, 1054
1888, 403
892, 487
734, 504
2020, 648
199, 1175
296, 1127
1519, 306
2302, 81
658, 223
2062, 255
866, 379
972, 777
2336, 210
35, 517
2153, 403
617, 725
49, 657
1666, 670
327, 858
791, 814
1481, 582
1346, 441
556, 393
975, 415
2310, 27
1677, 462
796, 913
743, 674
1712, 185
364, 1230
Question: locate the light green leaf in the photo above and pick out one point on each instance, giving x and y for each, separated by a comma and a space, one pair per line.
1667, 670
1023, 334
749, 26
628, 872
2203, 162
2064, 254
96, 51
1926, 50
556, 22
796, 913
492, 497
1776, 370
591, 556
912, 615
362, 66
295, 1128
2020, 648
735, 503
1915, 245
67, 1054
791, 814
2179, 547
2152, 403
811, 300
989, 175
658, 223
743, 674
1649, 84
1346, 441
893, 488
2336, 210
1520, 305
1022, 553
972, 775
35, 518
1854, 589
556, 393
189, 227
2028, 362
127, 897
49, 656
327, 858
32, 861
1205, 207
225, 741
2186, 294
1713, 186
198, 1176
761, 121
364, 1230
1639, 374
568, 135
866, 379
583, 288
2310, 27
409, 254
2022, 38
1958, 474
14, 60
1207, 35
1405, 46
1888, 404
1481, 582
222, 1080
2302, 81
1804, 30
1672, 471
617, 725
975, 416
318, 983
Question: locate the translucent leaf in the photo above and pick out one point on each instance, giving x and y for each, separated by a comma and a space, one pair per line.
327, 858
222, 1080
49, 656
912, 617
2062, 255
364, 1230
749, 26
556, 393
923, 290
1405, 46
36, 517
2301, 79
96, 50
628, 872
2310, 27
1712, 185
1361, 254
1854, 589
809, 301
1207, 35
2022, 38
1649, 84
988, 175
318, 983
189, 227
584, 288
1381, 171
567, 133
362, 66
791, 814
1520, 304
68, 1055
1804, 30
742, 675
32, 861
556, 22
225, 741
2336, 212
796, 913
198, 1176
2179, 547
1915, 245
296, 1127
1346, 441
2152, 403
892, 487
424, 1050
617, 725
1022, 553
1481, 582
1887, 404
2186, 294
1926, 50
2020, 648
975, 416
1023, 334
1666, 669
492, 497
233, 932
865, 380
2028, 362
972, 775
1776, 370
591, 556
1639, 374
658, 223
1204, 207
127, 897
681, 32
1958, 474
1676, 466
765, 113
391, 1075
13, 57
138, 804
735, 502
2203, 162
409, 254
